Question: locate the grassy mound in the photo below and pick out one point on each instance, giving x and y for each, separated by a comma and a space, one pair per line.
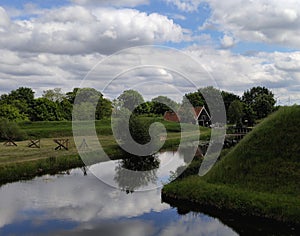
267, 159
259, 177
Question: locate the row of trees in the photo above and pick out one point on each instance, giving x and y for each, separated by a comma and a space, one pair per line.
255, 103
21, 105
54, 105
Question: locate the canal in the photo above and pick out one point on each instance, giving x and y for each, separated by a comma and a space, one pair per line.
77, 203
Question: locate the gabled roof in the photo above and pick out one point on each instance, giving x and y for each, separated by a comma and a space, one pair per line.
198, 111
172, 116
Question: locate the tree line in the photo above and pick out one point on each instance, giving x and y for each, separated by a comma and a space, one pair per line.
54, 105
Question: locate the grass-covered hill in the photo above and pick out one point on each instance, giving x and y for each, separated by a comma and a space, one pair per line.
267, 159
259, 177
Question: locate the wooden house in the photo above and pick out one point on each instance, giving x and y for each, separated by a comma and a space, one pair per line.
201, 116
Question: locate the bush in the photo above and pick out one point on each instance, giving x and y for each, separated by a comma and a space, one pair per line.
139, 133
10, 130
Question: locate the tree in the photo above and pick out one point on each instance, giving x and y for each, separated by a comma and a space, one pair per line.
264, 105
90, 95
66, 109
54, 95
196, 98
144, 108
22, 99
90, 103
235, 112
45, 110
228, 98
249, 115
104, 109
138, 132
72, 95
161, 104
208, 95
84, 111
260, 100
22, 93
11, 113
130, 99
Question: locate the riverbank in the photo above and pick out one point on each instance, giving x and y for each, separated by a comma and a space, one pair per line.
21, 162
259, 177
193, 189
255, 225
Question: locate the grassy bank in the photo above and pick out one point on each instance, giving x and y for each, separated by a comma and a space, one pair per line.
22, 162
47, 131
27, 170
245, 202
260, 176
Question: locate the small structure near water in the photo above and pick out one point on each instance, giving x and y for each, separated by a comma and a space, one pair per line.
201, 116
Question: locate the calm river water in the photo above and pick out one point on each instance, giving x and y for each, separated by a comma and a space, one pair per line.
77, 203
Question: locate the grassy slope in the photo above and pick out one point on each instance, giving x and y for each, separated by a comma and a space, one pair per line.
260, 176
268, 159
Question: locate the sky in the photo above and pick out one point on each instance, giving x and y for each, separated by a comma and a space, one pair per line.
240, 44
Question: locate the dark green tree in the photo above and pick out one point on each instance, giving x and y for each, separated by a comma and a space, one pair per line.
161, 104
196, 98
89, 104
71, 95
66, 109
90, 95
211, 94
45, 110
264, 105
260, 100
22, 94
104, 109
11, 113
144, 108
228, 98
21, 98
249, 115
236, 112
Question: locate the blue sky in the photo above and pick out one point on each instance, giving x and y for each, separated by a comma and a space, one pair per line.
252, 42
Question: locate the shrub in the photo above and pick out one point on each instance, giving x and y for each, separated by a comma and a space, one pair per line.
10, 130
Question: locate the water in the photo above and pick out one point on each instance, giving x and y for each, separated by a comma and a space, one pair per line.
77, 203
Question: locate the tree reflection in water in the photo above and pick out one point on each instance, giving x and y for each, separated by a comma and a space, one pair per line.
135, 172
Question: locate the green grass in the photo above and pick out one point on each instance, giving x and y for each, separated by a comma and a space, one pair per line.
23, 162
268, 159
30, 169
52, 129
194, 189
47, 131
260, 176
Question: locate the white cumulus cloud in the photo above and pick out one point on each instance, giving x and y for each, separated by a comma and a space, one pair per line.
274, 22
79, 30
